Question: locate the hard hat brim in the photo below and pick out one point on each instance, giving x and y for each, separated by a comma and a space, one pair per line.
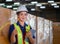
21, 11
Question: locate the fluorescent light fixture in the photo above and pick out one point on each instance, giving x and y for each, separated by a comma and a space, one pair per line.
53, 4
50, 1
1, 4
38, 4
14, 8
33, 9
30, 4
16, 3
8, 0
56, 6
35, 2
42, 7
10, 6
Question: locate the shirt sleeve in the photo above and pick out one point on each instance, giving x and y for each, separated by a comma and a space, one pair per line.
11, 28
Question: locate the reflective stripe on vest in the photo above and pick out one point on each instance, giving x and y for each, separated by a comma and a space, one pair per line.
20, 37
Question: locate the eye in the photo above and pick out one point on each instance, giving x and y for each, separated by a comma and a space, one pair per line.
26, 14
21, 14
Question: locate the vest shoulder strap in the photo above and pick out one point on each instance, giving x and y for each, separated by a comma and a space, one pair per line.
27, 28
20, 37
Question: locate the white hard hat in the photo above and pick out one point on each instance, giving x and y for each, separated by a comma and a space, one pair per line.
22, 8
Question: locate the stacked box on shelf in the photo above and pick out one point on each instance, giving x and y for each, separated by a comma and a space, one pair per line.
40, 33
5, 14
46, 31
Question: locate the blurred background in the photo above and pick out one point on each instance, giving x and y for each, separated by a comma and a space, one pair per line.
47, 9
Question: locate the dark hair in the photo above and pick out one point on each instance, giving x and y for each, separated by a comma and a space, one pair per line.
17, 13
20, 12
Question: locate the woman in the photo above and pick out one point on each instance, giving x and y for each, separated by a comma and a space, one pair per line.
19, 31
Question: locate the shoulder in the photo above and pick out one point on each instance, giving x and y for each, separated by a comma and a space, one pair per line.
12, 26
28, 25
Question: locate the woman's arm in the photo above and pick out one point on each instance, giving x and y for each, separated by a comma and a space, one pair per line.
29, 35
13, 38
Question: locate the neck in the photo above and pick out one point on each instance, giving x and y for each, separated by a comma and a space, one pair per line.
21, 23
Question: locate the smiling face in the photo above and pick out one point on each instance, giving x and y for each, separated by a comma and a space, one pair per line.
22, 16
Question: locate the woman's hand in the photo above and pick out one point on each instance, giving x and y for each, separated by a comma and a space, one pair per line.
29, 35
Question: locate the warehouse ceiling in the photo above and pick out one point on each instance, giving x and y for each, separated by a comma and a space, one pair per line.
33, 5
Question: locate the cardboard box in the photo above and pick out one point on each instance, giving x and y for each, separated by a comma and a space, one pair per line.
4, 25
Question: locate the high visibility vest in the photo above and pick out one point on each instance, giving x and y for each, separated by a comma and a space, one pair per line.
20, 36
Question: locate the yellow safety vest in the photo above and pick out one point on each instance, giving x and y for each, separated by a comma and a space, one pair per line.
20, 37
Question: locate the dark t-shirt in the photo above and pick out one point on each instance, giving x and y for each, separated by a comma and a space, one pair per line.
22, 28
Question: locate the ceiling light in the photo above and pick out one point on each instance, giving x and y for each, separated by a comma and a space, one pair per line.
8, 0
56, 6
16, 3
35, 2
10, 6
1, 4
42, 7
53, 4
33, 9
30, 4
38, 4
50, 1
14, 8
